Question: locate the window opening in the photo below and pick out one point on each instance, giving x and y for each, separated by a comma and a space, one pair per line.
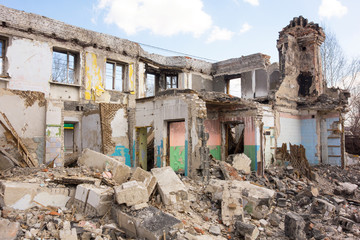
63, 69
114, 76
171, 81
68, 137
150, 85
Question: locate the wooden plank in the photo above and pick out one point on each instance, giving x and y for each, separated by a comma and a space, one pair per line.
24, 152
6, 154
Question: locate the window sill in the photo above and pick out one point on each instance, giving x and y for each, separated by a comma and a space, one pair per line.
5, 79
66, 84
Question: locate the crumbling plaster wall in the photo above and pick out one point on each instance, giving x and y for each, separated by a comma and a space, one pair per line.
29, 64
26, 113
167, 108
254, 70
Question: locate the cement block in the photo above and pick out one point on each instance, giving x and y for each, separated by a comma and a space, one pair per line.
294, 226
241, 162
131, 193
254, 197
147, 223
248, 231
231, 205
68, 234
145, 177
23, 196
99, 161
171, 188
93, 201
125, 221
8, 230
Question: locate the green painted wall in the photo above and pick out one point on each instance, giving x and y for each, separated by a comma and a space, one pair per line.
177, 158
215, 151
250, 151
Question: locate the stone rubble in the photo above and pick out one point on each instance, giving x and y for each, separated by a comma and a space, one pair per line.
92, 202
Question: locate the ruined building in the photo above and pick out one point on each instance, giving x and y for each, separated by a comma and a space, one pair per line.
64, 89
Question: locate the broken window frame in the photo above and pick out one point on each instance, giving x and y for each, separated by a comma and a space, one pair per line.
4, 42
173, 81
228, 78
154, 86
113, 75
68, 68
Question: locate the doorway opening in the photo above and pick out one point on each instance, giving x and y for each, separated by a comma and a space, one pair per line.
234, 137
176, 157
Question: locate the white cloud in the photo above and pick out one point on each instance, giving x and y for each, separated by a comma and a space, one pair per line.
218, 33
331, 8
253, 2
245, 27
161, 17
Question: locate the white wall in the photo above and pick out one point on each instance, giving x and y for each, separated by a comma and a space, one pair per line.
29, 64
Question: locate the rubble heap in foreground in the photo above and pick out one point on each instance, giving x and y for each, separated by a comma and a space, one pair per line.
90, 203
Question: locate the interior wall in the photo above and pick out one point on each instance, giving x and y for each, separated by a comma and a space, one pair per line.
289, 127
177, 132
30, 64
26, 113
213, 127
54, 132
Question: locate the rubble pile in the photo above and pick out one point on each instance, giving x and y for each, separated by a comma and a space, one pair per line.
104, 199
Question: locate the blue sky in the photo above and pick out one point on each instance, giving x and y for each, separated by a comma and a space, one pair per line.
212, 29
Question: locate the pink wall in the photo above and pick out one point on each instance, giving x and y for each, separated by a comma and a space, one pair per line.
214, 130
177, 134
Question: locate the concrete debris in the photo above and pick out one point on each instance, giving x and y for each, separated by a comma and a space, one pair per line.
248, 231
24, 196
171, 188
231, 204
294, 226
149, 223
241, 162
132, 193
93, 201
8, 230
120, 172
146, 178
281, 204
345, 188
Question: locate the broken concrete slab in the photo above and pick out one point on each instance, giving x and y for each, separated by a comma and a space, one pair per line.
8, 230
145, 177
345, 188
231, 204
229, 172
256, 200
120, 172
241, 162
23, 196
149, 223
320, 206
171, 188
93, 201
131, 193
68, 234
246, 230
294, 226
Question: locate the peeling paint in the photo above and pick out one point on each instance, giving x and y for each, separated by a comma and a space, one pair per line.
123, 151
93, 84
